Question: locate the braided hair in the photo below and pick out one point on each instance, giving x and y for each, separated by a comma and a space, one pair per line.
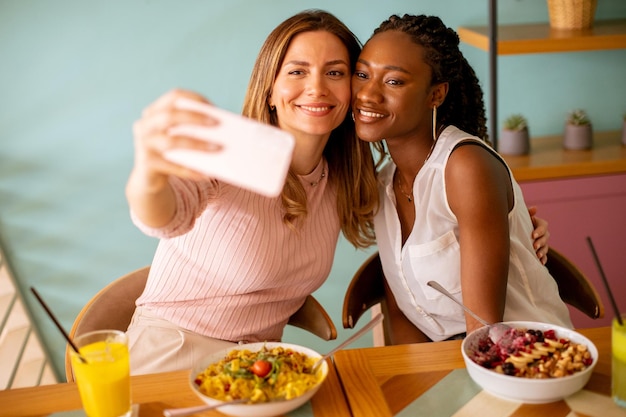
463, 106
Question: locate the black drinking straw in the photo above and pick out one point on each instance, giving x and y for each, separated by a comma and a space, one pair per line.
54, 319
606, 282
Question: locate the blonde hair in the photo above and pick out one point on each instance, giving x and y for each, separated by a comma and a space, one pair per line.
350, 161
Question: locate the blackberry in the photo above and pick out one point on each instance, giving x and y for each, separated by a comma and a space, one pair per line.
537, 333
508, 368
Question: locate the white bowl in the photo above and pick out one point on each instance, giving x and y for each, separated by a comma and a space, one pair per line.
268, 409
526, 390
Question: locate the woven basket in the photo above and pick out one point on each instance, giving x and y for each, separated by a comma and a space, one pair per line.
571, 14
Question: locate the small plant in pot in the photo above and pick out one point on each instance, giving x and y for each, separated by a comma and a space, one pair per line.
578, 132
514, 139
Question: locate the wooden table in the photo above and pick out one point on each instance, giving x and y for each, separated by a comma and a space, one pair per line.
154, 393
430, 379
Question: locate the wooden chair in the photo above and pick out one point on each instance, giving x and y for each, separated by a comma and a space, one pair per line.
113, 307
575, 288
367, 290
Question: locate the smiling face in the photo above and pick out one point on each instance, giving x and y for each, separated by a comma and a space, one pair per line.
311, 91
392, 95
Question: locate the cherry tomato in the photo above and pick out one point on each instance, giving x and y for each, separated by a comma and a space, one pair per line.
261, 368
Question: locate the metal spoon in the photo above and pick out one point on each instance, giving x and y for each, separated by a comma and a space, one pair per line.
496, 330
349, 340
180, 412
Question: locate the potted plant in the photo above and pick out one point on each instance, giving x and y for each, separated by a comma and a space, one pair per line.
514, 139
578, 132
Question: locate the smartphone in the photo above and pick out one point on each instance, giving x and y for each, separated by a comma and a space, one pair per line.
254, 155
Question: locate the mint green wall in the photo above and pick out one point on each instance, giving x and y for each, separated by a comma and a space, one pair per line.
75, 74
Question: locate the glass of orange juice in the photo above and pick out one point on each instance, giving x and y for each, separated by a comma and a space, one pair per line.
102, 373
618, 372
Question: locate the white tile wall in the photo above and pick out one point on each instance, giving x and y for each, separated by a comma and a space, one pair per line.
23, 361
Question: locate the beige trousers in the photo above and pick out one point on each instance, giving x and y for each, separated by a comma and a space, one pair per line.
156, 345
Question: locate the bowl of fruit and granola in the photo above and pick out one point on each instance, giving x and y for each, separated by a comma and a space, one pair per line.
531, 363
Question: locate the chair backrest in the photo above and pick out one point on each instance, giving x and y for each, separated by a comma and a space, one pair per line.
111, 308
575, 288
367, 290
312, 317
114, 305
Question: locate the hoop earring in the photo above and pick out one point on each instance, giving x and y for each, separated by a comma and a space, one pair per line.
435, 122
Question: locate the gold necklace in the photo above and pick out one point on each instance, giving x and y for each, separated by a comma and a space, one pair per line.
409, 196
315, 183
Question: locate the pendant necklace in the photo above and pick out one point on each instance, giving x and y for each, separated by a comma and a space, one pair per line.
409, 196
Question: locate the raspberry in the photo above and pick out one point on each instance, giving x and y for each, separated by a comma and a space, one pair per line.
549, 334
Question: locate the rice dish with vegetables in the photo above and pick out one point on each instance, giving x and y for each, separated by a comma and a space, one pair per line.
268, 374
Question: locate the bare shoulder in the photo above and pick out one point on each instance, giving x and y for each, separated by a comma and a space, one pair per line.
473, 159
475, 176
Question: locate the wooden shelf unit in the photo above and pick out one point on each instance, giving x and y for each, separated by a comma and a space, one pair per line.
548, 160
541, 38
535, 38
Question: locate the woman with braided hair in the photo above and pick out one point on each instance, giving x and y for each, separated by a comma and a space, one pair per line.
451, 210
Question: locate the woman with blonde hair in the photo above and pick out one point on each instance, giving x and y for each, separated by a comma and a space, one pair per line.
232, 265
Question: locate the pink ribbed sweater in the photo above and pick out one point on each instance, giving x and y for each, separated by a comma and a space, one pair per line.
228, 268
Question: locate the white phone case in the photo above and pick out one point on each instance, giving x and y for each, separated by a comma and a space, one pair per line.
254, 155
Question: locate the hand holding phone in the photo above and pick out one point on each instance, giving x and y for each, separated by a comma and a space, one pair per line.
254, 155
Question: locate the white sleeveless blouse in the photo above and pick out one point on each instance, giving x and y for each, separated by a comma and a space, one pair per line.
432, 252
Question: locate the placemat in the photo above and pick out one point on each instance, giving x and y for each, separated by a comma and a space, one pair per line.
81, 413
456, 395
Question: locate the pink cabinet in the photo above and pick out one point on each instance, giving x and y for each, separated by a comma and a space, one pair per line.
592, 206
